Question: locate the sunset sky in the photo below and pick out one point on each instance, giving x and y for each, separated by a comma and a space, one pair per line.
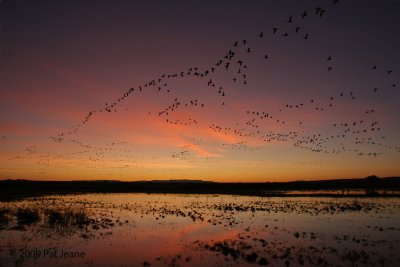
317, 99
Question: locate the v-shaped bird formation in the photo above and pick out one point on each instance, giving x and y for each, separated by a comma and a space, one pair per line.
251, 129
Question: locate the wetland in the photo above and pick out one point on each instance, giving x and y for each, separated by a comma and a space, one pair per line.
141, 229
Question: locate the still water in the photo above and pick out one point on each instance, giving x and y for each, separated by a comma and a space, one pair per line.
199, 230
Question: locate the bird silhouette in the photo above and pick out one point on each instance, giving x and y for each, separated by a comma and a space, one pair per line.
319, 11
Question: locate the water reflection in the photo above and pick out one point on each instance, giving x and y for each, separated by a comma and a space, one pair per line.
199, 230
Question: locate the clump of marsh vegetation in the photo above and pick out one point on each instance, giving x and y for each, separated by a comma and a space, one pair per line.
27, 216
4, 218
67, 218
51, 220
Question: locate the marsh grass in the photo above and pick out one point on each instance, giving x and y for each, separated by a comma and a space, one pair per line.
61, 221
27, 216
4, 218
67, 218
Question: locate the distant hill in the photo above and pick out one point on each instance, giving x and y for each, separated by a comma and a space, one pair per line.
180, 181
20, 188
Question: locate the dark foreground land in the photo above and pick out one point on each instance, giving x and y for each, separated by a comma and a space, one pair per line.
370, 186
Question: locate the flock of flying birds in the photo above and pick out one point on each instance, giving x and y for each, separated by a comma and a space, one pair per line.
346, 136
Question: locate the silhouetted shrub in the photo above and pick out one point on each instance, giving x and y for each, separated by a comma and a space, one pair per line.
372, 178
